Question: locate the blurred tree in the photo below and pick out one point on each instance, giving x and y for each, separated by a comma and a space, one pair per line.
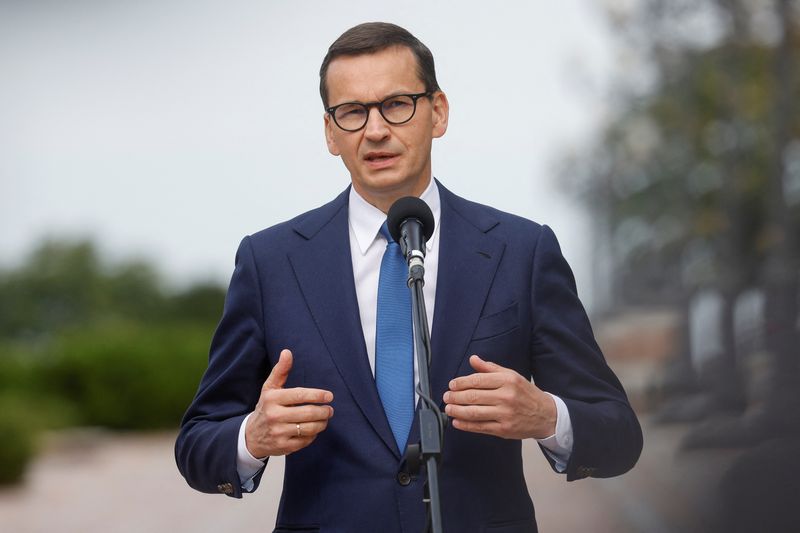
64, 284
85, 342
18, 443
695, 183
57, 285
201, 302
124, 375
132, 290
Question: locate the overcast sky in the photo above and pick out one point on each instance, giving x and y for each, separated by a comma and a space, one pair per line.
171, 129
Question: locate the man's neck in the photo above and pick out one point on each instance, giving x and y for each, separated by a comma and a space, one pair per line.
384, 200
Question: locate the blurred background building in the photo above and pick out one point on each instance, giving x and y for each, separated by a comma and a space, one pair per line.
140, 141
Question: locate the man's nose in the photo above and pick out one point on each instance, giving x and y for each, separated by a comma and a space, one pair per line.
377, 128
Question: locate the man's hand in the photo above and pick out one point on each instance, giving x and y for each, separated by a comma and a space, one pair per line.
498, 401
285, 420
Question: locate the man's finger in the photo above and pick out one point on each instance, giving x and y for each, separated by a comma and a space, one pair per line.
301, 395
304, 430
472, 397
308, 413
479, 380
488, 428
280, 372
476, 413
479, 365
295, 444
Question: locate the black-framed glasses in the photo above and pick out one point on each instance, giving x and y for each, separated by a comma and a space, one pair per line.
397, 109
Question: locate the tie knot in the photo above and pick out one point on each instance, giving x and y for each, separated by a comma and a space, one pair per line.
385, 232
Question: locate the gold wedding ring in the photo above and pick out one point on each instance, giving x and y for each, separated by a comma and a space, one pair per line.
299, 433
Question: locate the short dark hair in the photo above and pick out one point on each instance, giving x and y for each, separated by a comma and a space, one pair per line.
371, 37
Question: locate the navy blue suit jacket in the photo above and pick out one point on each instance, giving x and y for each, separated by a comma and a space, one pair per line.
504, 291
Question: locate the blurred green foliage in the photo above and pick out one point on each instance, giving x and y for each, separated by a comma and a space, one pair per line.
697, 175
17, 446
126, 375
83, 342
65, 284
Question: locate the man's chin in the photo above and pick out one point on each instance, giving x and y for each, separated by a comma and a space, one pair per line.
381, 188
386, 181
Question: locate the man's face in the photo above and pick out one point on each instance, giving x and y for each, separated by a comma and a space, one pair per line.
385, 161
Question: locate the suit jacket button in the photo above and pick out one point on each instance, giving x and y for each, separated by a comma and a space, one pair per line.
404, 478
225, 488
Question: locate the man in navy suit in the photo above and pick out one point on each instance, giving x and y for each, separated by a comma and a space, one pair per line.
293, 362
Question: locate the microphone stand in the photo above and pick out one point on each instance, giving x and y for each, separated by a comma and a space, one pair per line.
431, 419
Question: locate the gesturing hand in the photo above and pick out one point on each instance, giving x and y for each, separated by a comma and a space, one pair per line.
499, 401
286, 420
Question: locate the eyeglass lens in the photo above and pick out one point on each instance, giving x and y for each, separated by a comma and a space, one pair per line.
395, 110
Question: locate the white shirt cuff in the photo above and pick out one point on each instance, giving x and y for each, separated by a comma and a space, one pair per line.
246, 465
559, 445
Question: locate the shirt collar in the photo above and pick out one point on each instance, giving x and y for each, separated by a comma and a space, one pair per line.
366, 219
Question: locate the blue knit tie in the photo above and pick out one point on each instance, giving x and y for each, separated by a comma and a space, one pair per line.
394, 351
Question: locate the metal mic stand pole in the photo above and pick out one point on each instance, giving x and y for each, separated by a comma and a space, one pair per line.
431, 419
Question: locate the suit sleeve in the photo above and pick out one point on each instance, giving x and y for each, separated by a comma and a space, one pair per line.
567, 362
206, 447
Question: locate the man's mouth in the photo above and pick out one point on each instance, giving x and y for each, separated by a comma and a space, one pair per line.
378, 156
378, 160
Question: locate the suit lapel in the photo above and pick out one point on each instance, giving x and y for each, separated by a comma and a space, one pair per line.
324, 271
468, 260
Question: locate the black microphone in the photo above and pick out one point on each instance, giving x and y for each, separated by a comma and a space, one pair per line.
410, 223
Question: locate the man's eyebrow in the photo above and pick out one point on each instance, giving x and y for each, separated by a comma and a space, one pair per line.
390, 95
396, 93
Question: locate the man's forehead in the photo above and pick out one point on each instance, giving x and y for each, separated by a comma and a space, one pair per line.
373, 75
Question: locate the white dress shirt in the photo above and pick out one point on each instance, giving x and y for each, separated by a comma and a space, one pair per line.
367, 246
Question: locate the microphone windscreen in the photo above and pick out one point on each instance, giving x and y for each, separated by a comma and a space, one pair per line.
409, 207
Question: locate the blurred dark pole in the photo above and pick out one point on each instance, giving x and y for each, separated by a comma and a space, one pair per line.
781, 266
728, 393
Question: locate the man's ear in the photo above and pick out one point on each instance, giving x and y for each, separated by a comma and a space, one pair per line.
329, 125
441, 113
